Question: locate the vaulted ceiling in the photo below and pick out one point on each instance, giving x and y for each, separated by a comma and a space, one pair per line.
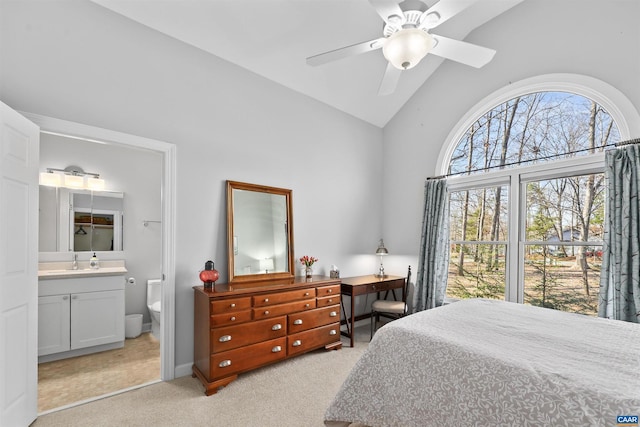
273, 38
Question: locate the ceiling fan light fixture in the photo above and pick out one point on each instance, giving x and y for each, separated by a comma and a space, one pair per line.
405, 48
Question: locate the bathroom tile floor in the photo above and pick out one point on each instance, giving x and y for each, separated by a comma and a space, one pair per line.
67, 381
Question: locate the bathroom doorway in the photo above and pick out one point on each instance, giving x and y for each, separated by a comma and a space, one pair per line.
121, 160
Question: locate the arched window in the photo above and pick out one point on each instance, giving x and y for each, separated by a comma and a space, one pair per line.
533, 128
526, 198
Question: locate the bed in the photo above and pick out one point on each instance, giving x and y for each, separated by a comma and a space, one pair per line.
493, 363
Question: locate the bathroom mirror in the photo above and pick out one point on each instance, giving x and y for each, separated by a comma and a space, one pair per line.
80, 220
259, 232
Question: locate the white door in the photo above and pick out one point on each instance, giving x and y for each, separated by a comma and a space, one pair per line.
97, 318
19, 157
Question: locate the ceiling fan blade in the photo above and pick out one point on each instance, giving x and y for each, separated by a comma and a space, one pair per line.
343, 52
389, 80
389, 11
463, 52
443, 11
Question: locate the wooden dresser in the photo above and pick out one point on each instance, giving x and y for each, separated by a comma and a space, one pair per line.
237, 330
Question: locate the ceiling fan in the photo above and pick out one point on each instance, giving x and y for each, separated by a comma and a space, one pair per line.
406, 39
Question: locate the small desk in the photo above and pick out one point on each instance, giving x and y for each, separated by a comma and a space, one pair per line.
360, 285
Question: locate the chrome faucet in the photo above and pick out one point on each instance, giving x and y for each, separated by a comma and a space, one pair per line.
74, 265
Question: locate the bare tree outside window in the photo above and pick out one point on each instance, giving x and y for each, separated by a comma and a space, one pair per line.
562, 216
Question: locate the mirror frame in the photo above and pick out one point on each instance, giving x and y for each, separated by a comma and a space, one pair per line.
234, 185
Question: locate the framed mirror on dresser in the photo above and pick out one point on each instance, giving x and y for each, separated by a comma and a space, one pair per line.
259, 233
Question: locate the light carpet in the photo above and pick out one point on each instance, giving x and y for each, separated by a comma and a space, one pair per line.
295, 392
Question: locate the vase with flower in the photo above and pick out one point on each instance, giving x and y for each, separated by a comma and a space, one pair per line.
308, 261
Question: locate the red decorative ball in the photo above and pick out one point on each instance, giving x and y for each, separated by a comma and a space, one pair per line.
209, 275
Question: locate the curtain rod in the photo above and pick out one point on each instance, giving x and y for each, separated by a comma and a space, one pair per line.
616, 144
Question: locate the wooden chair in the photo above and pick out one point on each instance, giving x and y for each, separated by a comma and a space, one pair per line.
392, 309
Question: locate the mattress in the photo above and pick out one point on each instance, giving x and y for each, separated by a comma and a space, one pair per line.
493, 363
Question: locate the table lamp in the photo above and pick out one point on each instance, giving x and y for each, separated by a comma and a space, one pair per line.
266, 264
382, 251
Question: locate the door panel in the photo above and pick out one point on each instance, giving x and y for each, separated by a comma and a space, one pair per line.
19, 139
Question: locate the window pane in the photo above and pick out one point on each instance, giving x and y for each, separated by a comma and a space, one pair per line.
566, 209
476, 271
479, 214
533, 128
561, 279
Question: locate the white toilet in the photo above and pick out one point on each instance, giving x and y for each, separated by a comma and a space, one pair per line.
154, 295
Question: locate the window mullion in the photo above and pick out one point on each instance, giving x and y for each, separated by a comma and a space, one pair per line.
512, 273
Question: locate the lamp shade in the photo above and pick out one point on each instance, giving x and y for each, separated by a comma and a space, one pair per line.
405, 48
95, 183
266, 264
381, 249
50, 179
74, 181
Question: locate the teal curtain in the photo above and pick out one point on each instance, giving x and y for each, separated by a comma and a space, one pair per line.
620, 274
433, 261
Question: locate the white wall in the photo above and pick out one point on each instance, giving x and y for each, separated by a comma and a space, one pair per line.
76, 61
534, 38
135, 172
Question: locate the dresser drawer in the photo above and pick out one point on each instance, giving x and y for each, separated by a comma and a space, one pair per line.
230, 318
246, 358
313, 318
282, 297
325, 301
325, 291
281, 309
229, 337
230, 305
313, 338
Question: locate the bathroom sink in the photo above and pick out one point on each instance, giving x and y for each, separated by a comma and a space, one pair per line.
54, 270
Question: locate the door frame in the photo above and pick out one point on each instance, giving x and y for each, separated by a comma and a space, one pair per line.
99, 135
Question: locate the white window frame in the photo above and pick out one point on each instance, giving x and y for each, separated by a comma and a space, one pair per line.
617, 105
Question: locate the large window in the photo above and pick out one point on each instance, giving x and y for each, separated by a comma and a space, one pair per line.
527, 206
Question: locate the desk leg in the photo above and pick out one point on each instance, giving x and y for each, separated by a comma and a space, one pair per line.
344, 313
353, 309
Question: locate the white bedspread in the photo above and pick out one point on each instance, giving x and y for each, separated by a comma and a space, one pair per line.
494, 363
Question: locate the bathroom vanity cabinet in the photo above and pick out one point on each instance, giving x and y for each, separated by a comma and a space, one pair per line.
80, 315
237, 330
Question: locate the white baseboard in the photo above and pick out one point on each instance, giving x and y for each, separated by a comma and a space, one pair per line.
183, 370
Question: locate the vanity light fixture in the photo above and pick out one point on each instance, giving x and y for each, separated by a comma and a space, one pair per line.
381, 251
266, 264
72, 177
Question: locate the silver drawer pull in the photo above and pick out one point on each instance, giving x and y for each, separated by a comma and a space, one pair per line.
297, 322
333, 314
266, 300
276, 327
225, 338
224, 363
233, 318
331, 300
232, 305
330, 290
297, 343
276, 349
266, 312
306, 294
306, 306
332, 332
